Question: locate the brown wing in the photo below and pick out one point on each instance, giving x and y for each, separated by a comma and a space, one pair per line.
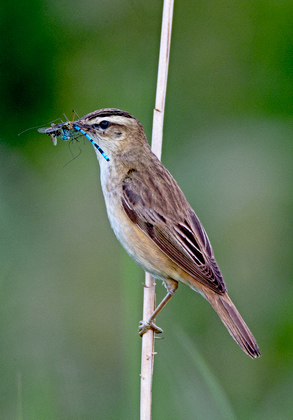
159, 208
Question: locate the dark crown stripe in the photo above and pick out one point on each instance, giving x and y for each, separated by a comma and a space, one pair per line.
106, 112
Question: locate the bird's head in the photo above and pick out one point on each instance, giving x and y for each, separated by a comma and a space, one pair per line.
115, 131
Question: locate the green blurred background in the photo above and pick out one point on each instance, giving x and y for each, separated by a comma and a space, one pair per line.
71, 298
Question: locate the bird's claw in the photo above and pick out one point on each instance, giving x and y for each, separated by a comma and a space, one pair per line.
145, 325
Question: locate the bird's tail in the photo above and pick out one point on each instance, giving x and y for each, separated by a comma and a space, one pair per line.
233, 321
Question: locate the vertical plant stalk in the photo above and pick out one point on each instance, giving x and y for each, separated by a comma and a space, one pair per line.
149, 300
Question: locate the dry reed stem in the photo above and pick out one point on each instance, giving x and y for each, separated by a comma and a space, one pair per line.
147, 355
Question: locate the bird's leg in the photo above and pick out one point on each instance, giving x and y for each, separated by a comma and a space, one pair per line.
171, 286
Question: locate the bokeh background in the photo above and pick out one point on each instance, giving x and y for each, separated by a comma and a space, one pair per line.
70, 297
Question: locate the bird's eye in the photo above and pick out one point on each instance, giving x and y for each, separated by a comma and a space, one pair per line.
104, 124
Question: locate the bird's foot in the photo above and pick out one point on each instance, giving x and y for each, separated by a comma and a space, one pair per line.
148, 325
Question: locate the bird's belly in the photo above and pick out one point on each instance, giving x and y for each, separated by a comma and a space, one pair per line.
138, 245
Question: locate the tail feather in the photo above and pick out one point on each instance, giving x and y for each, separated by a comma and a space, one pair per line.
233, 322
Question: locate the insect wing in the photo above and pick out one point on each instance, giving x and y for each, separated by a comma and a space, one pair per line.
43, 130
53, 138
54, 132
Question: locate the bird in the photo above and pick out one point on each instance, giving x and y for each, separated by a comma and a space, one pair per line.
153, 220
